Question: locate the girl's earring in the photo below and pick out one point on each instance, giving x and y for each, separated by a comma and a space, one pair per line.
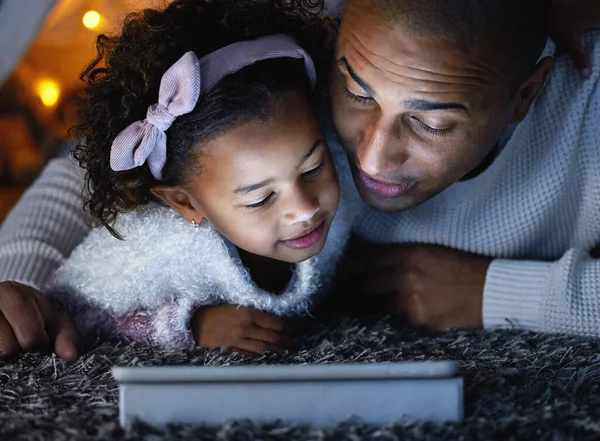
194, 224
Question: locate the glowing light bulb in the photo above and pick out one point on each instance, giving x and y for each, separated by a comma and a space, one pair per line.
91, 19
49, 92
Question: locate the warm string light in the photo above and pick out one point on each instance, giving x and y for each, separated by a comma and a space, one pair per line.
49, 92
91, 19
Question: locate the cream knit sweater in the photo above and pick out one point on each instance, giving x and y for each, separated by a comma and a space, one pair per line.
536, 210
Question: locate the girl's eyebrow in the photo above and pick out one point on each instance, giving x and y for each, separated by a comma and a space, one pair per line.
242, 191
308, 154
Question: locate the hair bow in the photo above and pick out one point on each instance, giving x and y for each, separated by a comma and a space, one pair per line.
180, 87
146, 140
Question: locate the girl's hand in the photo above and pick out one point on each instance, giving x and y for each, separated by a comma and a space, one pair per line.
245, 330
569, 20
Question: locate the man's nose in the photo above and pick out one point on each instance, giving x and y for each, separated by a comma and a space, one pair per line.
380, 147
302, 206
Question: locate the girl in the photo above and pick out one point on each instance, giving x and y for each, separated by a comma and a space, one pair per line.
205, 162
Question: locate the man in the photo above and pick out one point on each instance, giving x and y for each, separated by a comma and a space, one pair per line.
425, 99
425, 95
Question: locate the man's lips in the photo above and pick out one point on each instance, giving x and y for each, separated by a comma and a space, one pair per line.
307, 238
384, 189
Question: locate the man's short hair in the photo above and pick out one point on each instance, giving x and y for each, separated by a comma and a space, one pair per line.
511, 31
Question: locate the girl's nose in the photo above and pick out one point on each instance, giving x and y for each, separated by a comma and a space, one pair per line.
302, 207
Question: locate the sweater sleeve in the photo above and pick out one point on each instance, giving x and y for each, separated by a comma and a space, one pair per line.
168, 327
165, 327
45, 225
553, 297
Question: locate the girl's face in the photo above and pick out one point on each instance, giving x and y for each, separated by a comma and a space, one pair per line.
269, 187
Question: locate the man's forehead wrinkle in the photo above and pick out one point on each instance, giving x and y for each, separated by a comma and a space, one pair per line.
436, 78
357, 52
473, 76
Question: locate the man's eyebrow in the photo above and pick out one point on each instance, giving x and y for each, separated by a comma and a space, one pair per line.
362, 83
313, 149
242, 191
434, 105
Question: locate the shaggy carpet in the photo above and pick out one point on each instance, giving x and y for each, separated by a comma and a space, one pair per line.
517, 386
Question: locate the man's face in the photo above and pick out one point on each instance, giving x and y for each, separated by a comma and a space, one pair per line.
413, 114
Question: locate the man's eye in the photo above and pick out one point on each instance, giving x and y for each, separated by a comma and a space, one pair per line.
261, 204
431, 130
313, 172
357, 98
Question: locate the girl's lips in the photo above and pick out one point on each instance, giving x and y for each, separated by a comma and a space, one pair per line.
384, 189
307, 238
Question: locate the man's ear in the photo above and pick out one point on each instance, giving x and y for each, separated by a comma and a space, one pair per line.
531, 89
180, 201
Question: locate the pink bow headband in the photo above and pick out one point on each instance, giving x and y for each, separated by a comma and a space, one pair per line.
180, 88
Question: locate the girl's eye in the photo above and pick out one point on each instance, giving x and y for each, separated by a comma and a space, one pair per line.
357, 98
261, 204
431, 130
314, 171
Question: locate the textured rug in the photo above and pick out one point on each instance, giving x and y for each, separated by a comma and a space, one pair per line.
517, 386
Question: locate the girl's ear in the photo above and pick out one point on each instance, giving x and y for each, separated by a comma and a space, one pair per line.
180, 201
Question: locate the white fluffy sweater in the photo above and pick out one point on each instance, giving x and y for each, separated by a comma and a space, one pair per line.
147, 286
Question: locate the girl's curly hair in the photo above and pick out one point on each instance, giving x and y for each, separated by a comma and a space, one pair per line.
124, 79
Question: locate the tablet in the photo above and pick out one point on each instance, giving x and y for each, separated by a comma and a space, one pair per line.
315, 395
288, 373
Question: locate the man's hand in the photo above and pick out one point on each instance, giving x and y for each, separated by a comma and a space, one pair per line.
569, 20
435, 287
29, 322
241, 329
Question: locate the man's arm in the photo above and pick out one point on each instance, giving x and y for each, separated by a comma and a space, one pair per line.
39, 233
442, 288
45, 225
553, 297
569, 19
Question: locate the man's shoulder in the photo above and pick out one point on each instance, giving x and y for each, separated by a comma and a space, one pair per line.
567, 108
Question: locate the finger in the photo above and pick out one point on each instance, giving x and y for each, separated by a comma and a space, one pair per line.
258, 347
267, 321
8, 342
573, 46
61, 330
381, 293
373, 258
269, 336
66, 338
26, 321
380, 283
397, 305
243, 352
